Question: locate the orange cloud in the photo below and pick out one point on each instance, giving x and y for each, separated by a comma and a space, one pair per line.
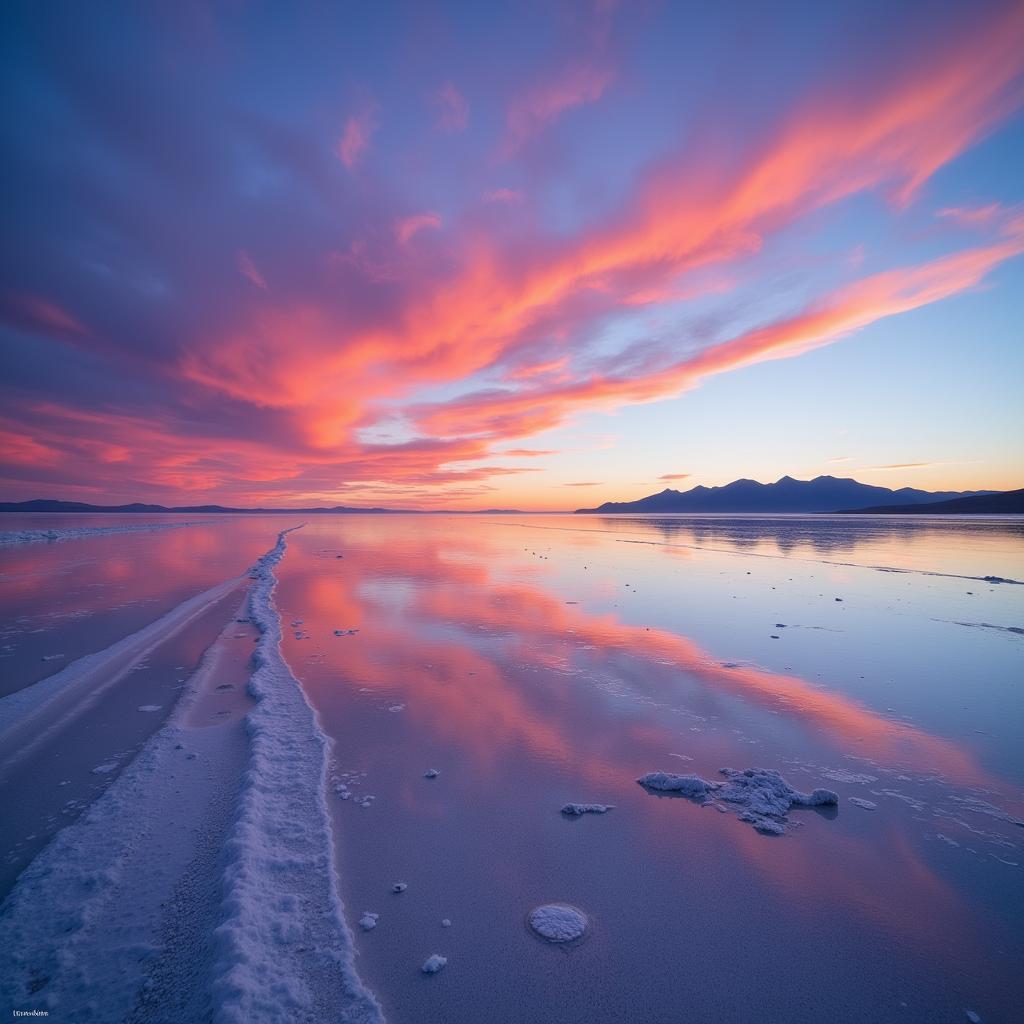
519, 413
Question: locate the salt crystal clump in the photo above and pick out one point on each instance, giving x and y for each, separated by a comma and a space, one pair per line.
686, 785
368, 921
431, 773
434, 963
763, 794
867, 805
445, 923
399, 887
575, 810
558, 922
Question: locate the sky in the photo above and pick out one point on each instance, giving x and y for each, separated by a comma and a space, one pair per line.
535, 255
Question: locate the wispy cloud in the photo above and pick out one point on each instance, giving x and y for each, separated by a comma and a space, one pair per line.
534, 110
503, 195
406, 227
248, 269
355, 138
452, 108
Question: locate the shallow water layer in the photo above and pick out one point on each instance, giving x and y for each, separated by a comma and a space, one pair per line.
475, 674
538, 661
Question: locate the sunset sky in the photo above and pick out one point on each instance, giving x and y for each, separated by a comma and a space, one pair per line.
533, 255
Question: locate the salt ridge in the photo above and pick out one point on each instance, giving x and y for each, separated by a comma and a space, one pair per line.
111, 921
285, 951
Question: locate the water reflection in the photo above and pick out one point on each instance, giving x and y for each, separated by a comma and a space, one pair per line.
527, 698
923, 543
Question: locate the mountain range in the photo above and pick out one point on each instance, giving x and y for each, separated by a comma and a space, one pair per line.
1002, 503
53, 505
822, 494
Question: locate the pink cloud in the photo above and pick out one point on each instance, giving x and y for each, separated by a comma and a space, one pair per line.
248, 269
972, 216
674, 476
453, 108
503, 195
409, 226
535, 109
36, 312
355, 139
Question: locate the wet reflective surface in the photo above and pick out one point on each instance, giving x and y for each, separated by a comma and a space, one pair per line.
62, 599
542, 660
539, 660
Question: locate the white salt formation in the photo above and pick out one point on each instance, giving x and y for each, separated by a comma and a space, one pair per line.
762, 796
368, 921
558, 922
434, 963
431, 773
399, 887
575, 810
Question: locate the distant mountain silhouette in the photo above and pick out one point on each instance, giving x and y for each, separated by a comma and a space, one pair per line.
50, 505
1006, 503
822, 494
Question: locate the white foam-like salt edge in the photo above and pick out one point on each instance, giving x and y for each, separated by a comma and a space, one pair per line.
83, 924
10, 538
289, 956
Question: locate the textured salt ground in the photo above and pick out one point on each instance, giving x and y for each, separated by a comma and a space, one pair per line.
12, 538
31, 717
154, 906
48, 788
131, 891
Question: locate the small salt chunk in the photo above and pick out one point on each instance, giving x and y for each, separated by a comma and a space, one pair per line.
446, 923
368, 921
399, 887
434, 963
576, 810
558, 922
431, 773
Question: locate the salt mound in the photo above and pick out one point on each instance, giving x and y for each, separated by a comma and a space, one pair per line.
558, 922
763, 794
368, 921
434, 963
575, 810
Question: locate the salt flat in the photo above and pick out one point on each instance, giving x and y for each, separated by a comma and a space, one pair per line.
439, 694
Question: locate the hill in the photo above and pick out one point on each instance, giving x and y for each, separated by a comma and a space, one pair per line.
822, 494
1005, 503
